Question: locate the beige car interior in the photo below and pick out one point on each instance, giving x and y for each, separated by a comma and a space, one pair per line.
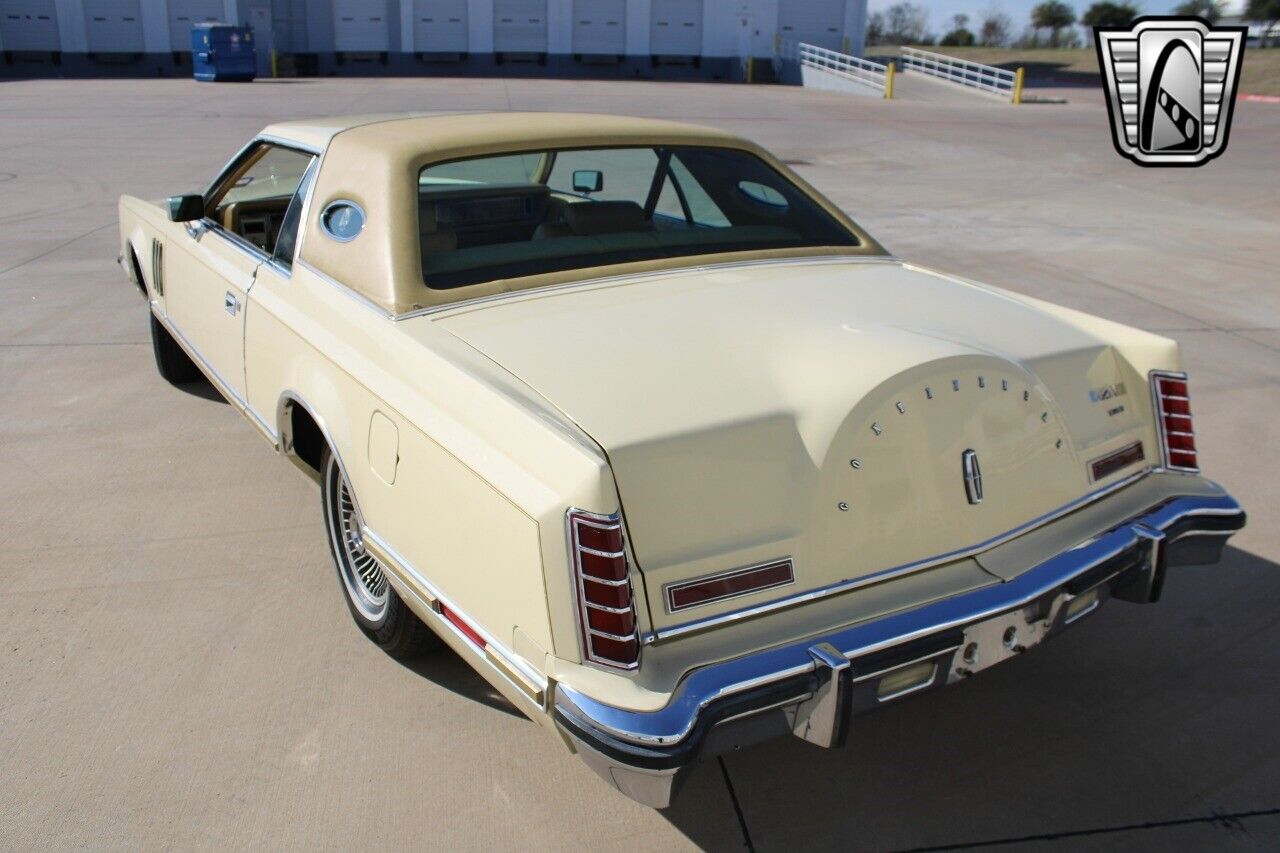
256, 221
452, 217
253, 199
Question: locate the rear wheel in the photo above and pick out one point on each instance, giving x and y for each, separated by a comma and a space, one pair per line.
171, 360
380, 613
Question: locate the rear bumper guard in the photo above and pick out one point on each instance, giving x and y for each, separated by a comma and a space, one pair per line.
814, 688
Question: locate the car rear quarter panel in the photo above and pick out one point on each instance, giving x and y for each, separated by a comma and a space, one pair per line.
481, 480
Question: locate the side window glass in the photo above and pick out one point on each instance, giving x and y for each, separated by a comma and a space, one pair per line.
669, 201
702, 209
626, 173
763, 194
504, 169
253, 200
287, 241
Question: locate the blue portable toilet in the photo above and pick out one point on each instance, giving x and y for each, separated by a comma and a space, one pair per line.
223, 52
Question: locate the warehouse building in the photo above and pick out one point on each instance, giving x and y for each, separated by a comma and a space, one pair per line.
599, 38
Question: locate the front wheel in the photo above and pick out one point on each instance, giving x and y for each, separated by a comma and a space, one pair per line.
380, 613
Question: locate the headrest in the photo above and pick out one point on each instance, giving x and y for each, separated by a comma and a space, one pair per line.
588, 218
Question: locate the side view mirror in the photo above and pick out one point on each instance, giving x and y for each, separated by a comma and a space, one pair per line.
186, 208
588, 180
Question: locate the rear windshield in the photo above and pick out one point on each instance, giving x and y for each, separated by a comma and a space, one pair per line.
517, 215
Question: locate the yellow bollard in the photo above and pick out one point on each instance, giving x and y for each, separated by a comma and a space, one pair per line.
1017, 86
275, 64
888, 82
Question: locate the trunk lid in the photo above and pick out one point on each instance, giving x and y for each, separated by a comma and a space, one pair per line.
816, 411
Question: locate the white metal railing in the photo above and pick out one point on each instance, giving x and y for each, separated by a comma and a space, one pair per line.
854, 68
985, 78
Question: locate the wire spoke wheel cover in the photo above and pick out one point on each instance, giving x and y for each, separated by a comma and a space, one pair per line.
362, 574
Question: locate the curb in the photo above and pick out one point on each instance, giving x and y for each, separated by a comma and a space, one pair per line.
1260, 99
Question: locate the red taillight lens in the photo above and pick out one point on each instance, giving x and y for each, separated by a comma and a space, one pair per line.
607, 612
1173, 417
598, 566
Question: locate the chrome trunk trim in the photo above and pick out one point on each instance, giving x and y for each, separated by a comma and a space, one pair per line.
841, 587
1150, 533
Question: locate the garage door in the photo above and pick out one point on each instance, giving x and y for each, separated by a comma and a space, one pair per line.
360, 26
184, 14
29, 25
675, 28
817, 22
113, 26
520, 26
440, 26
600, 26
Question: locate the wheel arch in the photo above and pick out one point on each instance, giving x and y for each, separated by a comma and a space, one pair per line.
134, 271
304, 434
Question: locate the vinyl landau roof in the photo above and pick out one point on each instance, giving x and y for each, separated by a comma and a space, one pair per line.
374, 161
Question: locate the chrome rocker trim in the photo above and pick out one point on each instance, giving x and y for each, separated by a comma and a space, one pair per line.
813, 688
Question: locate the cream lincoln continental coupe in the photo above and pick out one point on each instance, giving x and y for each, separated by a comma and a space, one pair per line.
669, 449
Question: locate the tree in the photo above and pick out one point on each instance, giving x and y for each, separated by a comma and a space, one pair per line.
1109, 15
1267, 13
995, 29
960, 36
1105, 14
1210, 10
875, 28
1055, 17
957, 38
905, 23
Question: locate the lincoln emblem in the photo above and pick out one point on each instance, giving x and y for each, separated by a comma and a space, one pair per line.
972, 476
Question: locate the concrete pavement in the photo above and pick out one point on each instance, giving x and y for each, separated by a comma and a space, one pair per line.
178, 669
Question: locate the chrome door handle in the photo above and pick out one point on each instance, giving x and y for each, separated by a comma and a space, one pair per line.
231, 303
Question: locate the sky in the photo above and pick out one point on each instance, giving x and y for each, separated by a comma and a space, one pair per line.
1019, 11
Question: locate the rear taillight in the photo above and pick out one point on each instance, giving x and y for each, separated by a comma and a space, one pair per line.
1173, 419
606, 611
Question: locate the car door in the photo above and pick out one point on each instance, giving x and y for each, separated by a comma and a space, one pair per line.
263, 328
210, 264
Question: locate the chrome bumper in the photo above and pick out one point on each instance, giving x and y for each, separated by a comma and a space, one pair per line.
812, 689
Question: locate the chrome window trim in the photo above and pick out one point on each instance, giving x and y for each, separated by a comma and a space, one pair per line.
841, 587
210, 225
285, 142
298, 241
269, 139
254, 252
309, 181
342, 202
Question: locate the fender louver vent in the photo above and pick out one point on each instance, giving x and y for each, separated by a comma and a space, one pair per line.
1173, 421
157, 267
